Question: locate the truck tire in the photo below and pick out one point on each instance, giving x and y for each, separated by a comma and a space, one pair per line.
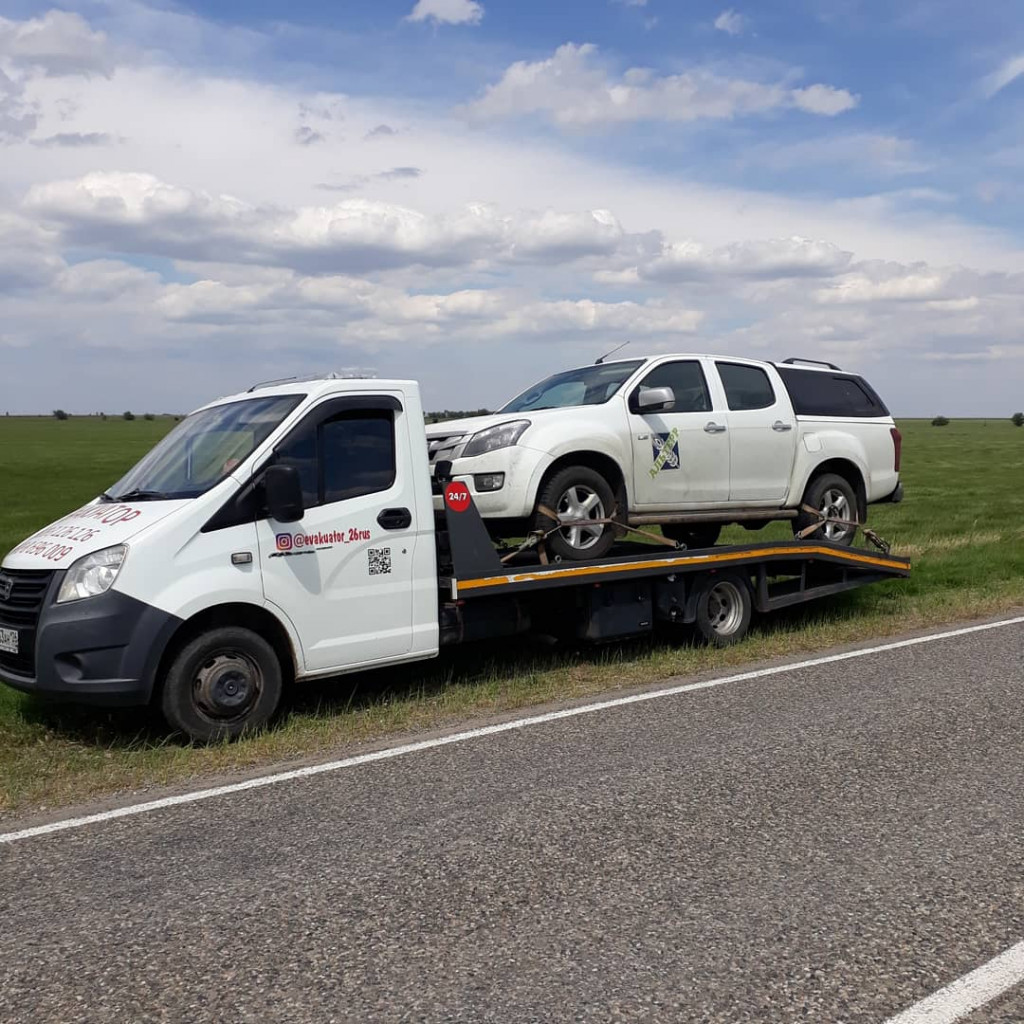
702, 535
577, 493
222, 684
723, 607
834, 496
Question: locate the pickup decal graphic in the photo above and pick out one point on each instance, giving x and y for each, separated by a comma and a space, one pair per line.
666, 452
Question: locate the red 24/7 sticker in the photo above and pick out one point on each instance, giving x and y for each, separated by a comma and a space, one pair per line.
457, 496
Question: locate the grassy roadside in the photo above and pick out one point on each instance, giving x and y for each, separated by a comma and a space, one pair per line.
963, 522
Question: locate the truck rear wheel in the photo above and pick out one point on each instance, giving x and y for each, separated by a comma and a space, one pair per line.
723, 607
833, 496
223, 684
579, 495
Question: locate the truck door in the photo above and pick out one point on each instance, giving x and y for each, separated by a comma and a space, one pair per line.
343, 574
762, 437
681, 454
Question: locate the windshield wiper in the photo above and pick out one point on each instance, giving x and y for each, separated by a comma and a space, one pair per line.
139, 495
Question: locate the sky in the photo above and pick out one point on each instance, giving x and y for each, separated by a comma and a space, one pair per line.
477, 193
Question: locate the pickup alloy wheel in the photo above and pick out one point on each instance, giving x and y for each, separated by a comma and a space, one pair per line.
582, 498
834, 497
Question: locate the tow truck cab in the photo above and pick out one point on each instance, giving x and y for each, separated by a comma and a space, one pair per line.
89, 604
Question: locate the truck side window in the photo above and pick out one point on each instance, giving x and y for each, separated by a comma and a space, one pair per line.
746, 387
343, 457
816, 393
357, 454
686, 379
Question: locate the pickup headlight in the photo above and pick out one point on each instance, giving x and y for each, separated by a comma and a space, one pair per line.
504, 435
92, 574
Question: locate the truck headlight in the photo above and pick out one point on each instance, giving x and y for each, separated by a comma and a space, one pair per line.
504, 435
92, 574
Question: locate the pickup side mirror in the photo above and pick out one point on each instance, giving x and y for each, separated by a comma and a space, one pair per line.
655, 400
284, 494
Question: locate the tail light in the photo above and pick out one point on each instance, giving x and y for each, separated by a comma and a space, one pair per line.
897, 443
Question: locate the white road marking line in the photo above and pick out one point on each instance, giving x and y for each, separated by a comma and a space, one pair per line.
490, 730
973, 990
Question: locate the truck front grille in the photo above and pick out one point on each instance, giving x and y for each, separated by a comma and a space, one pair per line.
441, 448
20, 610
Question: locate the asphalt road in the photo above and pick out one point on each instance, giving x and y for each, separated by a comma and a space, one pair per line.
828, 844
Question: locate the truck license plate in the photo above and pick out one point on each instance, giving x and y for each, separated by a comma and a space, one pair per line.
9, 640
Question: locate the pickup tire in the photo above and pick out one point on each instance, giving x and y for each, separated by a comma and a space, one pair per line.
704, 535
222, 684
577, 494
834, 496
722, 608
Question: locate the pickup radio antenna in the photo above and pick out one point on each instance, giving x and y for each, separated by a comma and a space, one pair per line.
597, 362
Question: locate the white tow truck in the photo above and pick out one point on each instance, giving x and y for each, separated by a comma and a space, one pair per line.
290, 532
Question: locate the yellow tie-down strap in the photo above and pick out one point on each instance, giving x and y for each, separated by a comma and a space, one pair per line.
677, 561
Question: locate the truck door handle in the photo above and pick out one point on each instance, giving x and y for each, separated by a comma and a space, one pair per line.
780, 426
714, 428
395, 518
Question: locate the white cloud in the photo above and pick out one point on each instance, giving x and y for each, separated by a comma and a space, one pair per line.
732, 22
17, 119
767, 259
824, 99
1004, 75
573, 87
58, 43
448, 12
140, 213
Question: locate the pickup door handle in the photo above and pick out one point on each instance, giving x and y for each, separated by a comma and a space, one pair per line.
780, 426
395, 518
714, 428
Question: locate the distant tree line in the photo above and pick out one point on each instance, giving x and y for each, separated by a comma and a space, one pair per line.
453, 414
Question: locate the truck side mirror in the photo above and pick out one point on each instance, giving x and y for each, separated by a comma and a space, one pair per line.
656, 400
284, 494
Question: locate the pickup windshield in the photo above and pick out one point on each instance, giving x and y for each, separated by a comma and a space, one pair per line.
589, 385
201, 450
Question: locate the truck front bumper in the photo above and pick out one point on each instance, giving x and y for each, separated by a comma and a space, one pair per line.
101, 650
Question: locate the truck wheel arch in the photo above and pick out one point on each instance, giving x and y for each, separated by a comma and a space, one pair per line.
248, 616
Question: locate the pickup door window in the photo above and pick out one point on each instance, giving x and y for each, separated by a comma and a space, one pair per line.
680, 454
761, 435
343, 577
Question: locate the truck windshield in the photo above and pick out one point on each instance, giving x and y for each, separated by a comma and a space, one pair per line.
201, 450
589, 385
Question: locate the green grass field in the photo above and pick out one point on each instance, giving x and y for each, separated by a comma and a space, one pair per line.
962, 522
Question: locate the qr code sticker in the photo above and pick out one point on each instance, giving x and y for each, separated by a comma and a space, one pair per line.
380, 561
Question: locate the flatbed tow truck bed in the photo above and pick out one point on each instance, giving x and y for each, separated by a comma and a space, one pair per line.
636, 585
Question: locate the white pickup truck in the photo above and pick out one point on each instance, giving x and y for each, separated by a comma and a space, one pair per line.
690, 442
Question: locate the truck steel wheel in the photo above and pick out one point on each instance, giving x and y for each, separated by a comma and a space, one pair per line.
723, 609
222, 684
704, 535
580, 496
834, 497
